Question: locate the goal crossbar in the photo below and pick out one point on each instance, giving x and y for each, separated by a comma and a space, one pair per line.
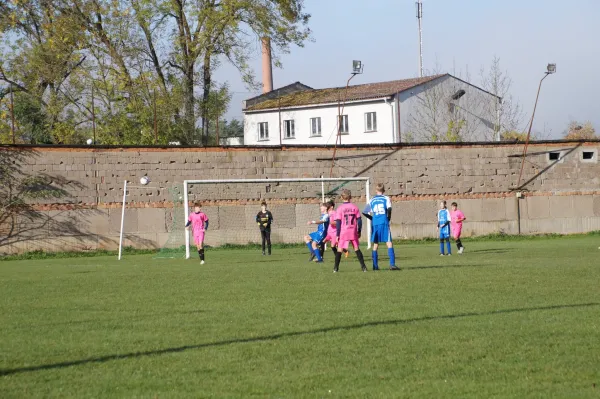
322, 180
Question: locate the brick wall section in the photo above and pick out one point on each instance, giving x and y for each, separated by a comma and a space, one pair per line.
97, 175
561, 196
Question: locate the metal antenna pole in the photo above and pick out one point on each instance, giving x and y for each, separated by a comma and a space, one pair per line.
419, 5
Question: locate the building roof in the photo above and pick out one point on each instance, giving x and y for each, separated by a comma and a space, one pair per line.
280, 92
333, 95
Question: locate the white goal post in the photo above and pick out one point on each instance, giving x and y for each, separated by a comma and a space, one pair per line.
123, 206
322, 180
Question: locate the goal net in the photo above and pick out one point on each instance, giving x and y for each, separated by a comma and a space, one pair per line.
174, 247
232, 206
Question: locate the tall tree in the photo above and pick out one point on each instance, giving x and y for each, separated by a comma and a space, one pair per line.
498, 82
39, 59
134, 66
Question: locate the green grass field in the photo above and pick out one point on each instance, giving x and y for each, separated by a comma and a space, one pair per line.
507, 319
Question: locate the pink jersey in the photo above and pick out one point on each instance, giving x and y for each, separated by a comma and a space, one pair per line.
198, 221
349, 214
332, 230
454, 216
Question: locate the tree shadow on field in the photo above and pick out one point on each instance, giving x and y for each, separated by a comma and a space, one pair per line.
276, 336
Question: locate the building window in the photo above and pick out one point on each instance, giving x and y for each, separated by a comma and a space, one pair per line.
315, 127
343, 124
556, 157
589, 156
370, 122
263, 131
288, 129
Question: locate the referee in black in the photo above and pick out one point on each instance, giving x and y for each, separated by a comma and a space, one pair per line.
264, 220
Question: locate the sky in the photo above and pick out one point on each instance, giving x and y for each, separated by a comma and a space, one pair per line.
459, 36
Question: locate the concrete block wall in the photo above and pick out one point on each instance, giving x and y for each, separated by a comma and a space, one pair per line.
560, 196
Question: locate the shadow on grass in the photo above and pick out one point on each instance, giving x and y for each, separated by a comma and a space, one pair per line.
265, 338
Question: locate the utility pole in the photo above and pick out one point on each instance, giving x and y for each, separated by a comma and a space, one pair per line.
93, 116
12, 114
155, 120
218, 141
419, 5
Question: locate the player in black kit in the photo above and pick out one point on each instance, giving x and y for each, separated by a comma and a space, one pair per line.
264, 220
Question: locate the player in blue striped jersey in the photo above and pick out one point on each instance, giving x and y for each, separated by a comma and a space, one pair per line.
315, 239
443, 226
379, 210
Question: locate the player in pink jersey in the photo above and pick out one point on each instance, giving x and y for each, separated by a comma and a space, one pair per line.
331, 230
457, 218
199, 222
349, 226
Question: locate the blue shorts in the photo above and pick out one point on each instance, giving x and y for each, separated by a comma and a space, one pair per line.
317, 236
444, 232
381, 233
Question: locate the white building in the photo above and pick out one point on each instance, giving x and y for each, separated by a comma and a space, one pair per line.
433, 108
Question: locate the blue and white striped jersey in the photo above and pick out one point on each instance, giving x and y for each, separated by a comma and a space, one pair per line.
323, 227
443, 217
378, 206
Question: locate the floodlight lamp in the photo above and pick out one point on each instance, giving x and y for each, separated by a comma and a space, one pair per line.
357, 67
551, 68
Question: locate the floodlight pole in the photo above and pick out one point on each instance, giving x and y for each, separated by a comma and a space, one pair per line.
122, 218
551, 70
339, 123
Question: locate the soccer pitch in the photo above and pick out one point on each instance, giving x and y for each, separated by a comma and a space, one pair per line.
515, 318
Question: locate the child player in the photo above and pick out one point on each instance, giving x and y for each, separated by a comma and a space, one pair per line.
264, 218
379, 210
331, 231
199, 222
456, 225
443, 226
348, 225
315, 239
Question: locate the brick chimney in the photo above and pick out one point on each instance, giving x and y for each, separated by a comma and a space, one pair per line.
267, 65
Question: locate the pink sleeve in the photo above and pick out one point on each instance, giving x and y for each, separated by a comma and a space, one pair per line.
461, 215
